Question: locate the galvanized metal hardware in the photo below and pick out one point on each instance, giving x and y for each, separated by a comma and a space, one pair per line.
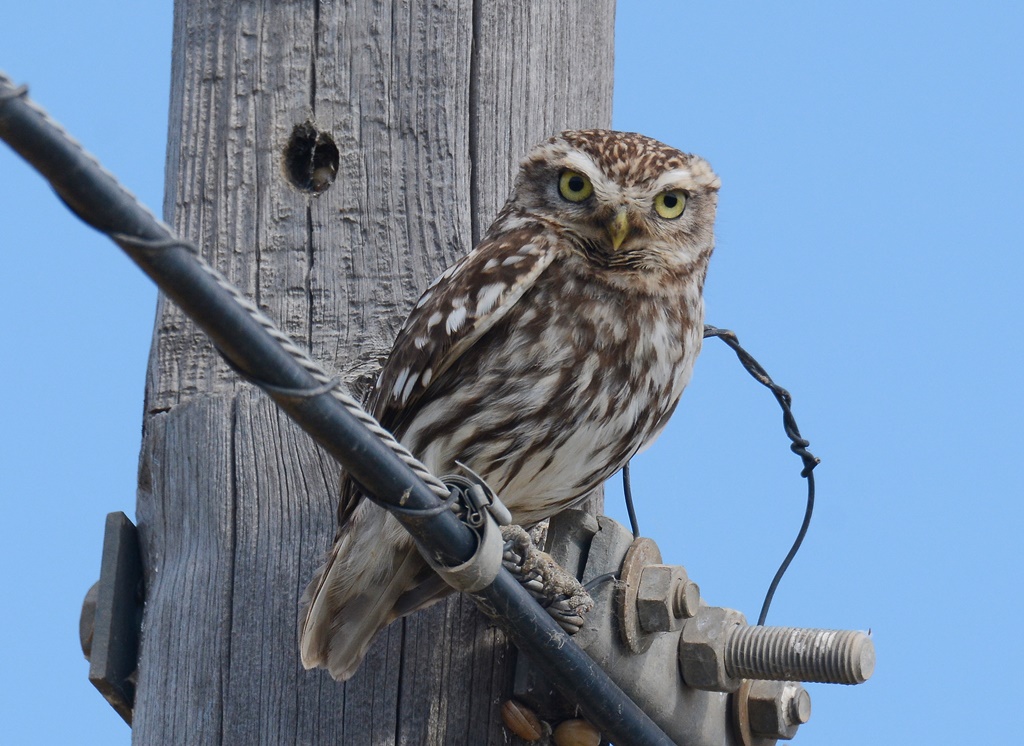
478, 497
701, 672
829, 656
718, 649
666, 598
769, 710
702, 649
480, 508
641, 553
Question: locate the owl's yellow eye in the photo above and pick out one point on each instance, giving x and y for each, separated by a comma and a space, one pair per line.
670, 204
574, 186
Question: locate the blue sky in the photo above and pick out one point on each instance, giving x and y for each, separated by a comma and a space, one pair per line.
869, 254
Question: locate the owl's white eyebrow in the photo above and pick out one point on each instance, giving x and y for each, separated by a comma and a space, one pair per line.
678, 177
581, 163
697, 175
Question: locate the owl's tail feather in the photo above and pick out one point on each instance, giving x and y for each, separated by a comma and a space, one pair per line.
366, 583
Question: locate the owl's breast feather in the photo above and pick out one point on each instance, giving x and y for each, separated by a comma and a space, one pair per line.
553, 400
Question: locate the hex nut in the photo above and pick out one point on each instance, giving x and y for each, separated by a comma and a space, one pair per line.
656, 597
777, 708
702, 649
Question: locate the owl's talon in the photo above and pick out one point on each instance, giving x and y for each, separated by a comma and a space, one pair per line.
562, 595
570, 626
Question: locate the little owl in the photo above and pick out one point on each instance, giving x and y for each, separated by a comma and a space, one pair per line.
543, 360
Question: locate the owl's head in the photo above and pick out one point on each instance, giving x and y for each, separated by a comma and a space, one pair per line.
625, 199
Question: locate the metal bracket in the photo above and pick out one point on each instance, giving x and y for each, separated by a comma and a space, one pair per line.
699, 671
111, 620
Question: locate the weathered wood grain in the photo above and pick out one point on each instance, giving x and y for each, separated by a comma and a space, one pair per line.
431, 106
186, 522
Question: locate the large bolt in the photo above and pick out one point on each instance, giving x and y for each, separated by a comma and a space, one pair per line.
717, 649
796, 654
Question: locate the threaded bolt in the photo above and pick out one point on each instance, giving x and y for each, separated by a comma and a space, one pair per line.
798, 711
686, 600
796, 654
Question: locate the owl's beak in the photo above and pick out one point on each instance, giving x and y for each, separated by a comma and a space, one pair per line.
618, 228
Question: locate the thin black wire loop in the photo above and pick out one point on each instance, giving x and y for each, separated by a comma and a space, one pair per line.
627, 490
792, 551
799, 447
602, 578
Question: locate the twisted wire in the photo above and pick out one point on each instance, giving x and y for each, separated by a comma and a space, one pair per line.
783, 397
21, 92
798, 446
333, 385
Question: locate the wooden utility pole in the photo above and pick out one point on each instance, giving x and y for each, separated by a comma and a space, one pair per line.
429, 105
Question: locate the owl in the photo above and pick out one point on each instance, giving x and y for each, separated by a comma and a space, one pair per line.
543, 360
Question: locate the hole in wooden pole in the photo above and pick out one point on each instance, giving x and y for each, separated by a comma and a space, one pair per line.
311, 159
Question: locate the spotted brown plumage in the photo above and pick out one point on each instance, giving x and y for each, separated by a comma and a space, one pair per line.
544, 360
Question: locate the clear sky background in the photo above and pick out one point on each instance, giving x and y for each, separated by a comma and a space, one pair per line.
870, 241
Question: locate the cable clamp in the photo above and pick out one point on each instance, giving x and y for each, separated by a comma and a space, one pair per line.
482, 510
479, 498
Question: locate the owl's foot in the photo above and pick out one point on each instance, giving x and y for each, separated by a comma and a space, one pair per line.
554, 587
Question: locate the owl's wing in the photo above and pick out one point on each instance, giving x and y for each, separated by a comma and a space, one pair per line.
451, 315
456, 310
